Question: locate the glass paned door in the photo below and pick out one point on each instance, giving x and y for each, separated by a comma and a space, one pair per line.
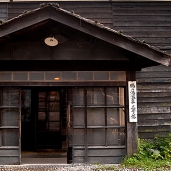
98, 124
10, 111
48, 133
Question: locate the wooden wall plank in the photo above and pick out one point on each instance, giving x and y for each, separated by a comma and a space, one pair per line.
154, 94
152, 74
100, 11
152, 135
159, 116
3, 11
105, 160
154, 99
149, 129
5, 153
147, 21
152, 110
155, 122
106, 152
9, 160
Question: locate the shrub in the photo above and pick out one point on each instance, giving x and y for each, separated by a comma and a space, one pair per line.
149, 152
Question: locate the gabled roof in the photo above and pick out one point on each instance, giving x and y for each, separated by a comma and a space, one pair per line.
54, 12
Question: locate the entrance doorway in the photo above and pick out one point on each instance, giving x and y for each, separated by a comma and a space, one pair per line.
43, 126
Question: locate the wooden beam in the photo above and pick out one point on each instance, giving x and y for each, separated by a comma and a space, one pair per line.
132, 129
52, 84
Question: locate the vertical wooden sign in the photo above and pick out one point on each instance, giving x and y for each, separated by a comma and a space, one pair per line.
132, 93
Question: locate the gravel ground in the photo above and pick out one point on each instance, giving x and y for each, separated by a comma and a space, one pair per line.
69, 167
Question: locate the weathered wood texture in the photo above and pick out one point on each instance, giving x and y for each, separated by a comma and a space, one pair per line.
154, 91
100, 11
148, 21
3, 11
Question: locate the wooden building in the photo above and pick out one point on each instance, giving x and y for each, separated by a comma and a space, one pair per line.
74, 95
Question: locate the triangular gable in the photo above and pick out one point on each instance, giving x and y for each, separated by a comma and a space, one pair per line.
93, 28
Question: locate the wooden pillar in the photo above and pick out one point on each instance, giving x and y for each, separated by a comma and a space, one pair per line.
131, 127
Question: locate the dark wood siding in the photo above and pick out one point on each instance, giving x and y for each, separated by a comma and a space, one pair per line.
151, 22
154, 101
100, 11
3, 11
148, 21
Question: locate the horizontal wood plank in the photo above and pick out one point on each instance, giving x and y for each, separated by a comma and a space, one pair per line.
153, 110
149, 129
155, 122
5, 152
153, 94
154, 99
159, 116
153, 74
106, 152
9, 160
154, 104
105, 160
152, 135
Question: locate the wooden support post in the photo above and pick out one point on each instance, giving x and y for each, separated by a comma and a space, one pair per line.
132, 130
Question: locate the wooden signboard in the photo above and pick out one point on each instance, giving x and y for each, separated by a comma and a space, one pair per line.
132, 91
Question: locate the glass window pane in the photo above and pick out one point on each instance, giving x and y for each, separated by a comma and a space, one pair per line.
85, 76
112, 116
115, 117
78, 137
69, 76
101, 75
20, 76
53, 126
118, 75
78, 97
42, 96
10, 97
96, 137
54, 116
54, 96
9, 117
41, 116
53, 106
115, 137
52, 76
5, 76
10, 137
95, 96
79, 119
96, 117
37, 76
112, 96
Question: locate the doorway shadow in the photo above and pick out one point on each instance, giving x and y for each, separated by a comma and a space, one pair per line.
44, 157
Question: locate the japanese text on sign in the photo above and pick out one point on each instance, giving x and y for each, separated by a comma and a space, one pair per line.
132, 101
